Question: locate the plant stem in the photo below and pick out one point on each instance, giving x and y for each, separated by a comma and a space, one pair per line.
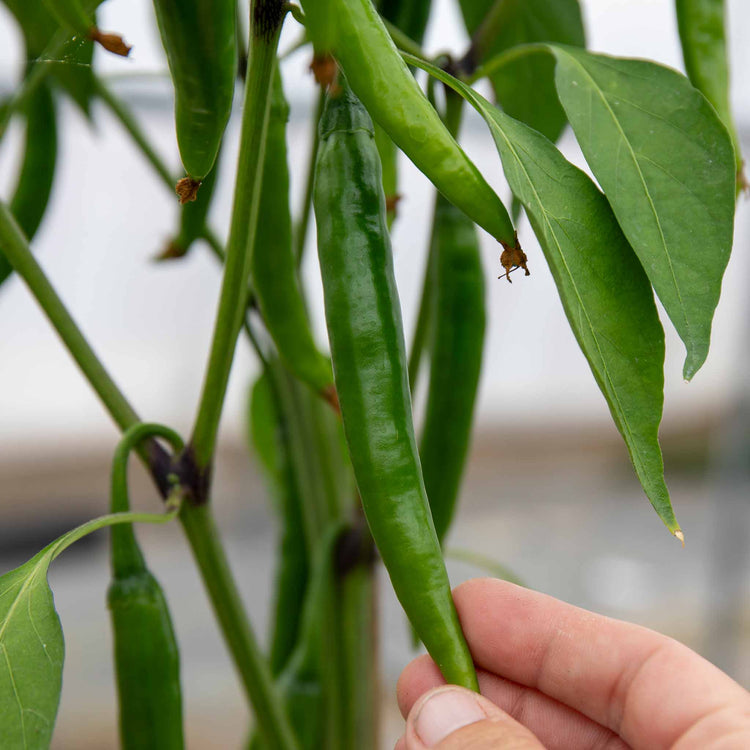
121, 112
209, 555
266, 17
300, 229
16, 249
403, 42
504, 58
483, 36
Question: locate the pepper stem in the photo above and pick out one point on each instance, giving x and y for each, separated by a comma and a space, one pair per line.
266, 18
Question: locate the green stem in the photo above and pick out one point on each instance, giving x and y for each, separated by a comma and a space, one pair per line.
504, 58
234, 289
15, 248
421, 330
208, 552
484, 35
123, 114
403, 42
300, 229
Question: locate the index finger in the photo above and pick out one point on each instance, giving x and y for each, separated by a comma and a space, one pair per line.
649, 689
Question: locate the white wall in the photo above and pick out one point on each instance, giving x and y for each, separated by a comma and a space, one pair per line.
152, 324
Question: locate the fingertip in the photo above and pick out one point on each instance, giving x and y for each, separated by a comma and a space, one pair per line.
419, 675
454, 717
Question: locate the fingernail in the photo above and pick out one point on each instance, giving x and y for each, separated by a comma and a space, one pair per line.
444, 712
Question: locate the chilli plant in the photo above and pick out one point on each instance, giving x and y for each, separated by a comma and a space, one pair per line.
350, 477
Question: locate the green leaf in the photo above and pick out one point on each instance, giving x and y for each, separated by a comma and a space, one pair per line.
666, 164
524, 87
704, 48
604, 291
31, 641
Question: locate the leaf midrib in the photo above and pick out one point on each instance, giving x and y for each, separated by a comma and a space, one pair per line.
633, 155
631, 439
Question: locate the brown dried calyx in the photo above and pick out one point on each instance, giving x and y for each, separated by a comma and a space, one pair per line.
512, 258
111, 42
187, 189
325, 70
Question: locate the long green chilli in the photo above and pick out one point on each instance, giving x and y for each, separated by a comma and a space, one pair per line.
201, 45
352, 31
273, 265
32, 192
369, 362
702, 28
145, 649
457, 333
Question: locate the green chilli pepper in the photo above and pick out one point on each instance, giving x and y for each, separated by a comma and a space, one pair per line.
145, 649
455, 295
410, 16
456, 358
34, 186
353, 32
369, 363
273, 265
704, 48
201, 45
32, 192
79, 18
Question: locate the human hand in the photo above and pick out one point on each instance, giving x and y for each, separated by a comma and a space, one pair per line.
555, 676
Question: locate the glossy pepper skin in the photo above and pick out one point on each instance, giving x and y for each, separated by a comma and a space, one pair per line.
201, 45
32, 191
369, 363
352, 31
458, 317
147, 661
273, 265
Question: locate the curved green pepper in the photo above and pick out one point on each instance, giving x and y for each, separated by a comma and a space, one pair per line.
32, 192
369, 362
201, 45
273, 265
146, 656
352, 31
34, 185
457, 344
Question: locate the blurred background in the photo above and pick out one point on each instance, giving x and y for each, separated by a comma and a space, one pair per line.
549, 490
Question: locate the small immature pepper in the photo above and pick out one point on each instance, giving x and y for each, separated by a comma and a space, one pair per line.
147, 663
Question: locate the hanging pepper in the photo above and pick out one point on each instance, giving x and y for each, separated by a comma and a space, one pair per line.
369, 363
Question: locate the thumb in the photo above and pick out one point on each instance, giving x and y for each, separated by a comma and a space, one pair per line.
454, 718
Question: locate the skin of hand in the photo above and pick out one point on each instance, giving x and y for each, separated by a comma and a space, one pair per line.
558, 677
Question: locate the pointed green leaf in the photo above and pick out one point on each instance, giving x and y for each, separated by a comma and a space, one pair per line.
666, 164
31, 641
605, 293
524, 87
